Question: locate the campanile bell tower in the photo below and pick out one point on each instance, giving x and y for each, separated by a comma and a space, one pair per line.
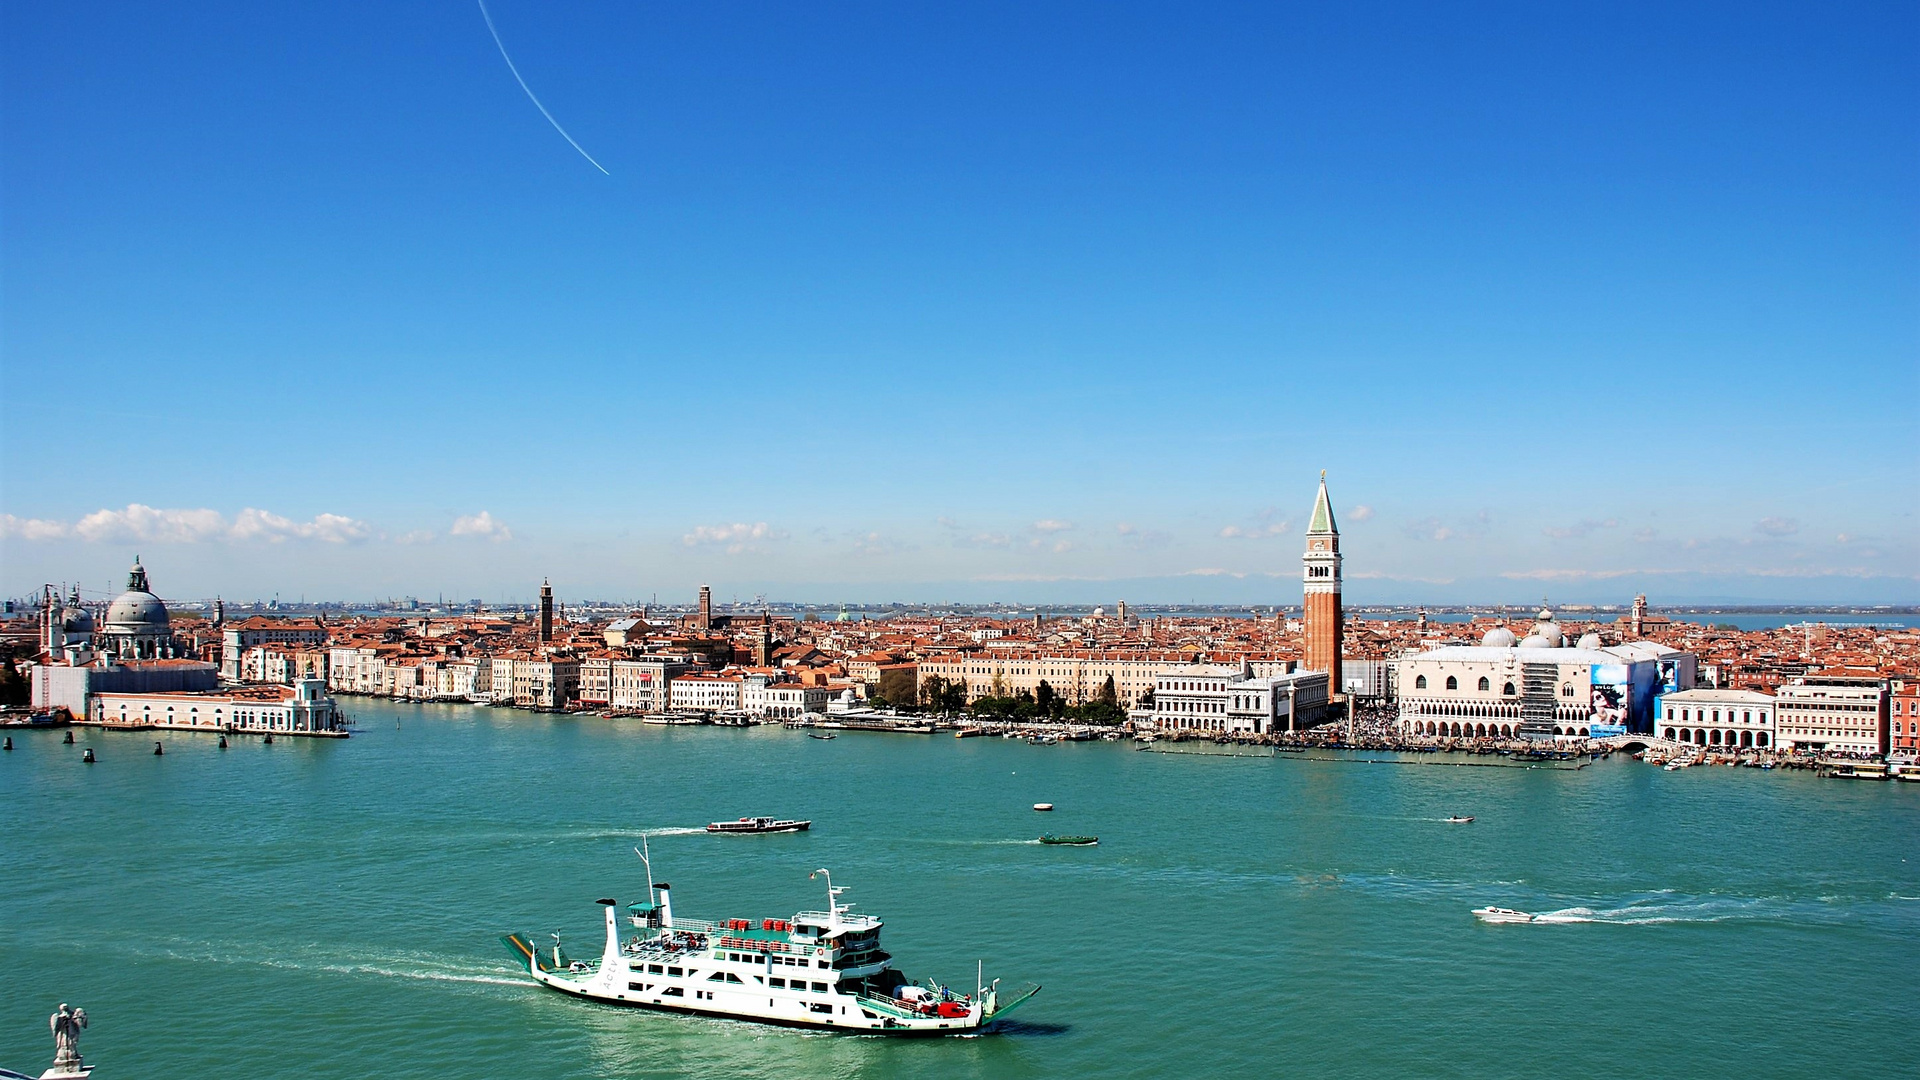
1321, 578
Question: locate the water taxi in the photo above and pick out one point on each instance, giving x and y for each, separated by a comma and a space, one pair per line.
758, 825
819, 969
1070, 841
1458, 820
1501, 915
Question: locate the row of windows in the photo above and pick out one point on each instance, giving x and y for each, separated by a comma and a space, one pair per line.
1700, 716
1700, 737
1193, 706
1420, 683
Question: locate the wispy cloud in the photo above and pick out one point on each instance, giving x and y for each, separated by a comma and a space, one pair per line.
733, 539
483, 525
873, 543
1575, 575
1362, 512
1437, 531
1135, 537
139, 523
1580, 528
1050, 525
19, 528
1264, 525
1776, 526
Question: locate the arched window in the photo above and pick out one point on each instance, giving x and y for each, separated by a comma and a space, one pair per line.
1507, 689
1453, 683
1484, 684
1670, 733
1566, 690
1420, 682
1761, 739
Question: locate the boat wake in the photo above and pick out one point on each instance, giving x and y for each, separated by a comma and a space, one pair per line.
1669, 910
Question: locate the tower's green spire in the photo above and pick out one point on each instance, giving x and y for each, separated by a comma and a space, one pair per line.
1322, 510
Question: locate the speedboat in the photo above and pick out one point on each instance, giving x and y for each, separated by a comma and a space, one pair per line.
1070, 841
1501, 915
1043, 806
1458, 820
759, 825
823, 736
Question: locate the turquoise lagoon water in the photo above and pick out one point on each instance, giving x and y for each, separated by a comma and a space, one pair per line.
330, 909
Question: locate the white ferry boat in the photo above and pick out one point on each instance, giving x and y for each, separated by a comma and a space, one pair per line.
819, 969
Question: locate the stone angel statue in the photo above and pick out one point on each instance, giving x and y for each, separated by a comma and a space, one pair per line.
67, 1025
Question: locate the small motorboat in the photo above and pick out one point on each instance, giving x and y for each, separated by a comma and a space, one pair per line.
821, 735
1458, 820
759, 825
1501, 915
1070, 841
1043, 807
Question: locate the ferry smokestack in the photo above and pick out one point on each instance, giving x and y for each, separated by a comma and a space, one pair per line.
610, 957
666, 905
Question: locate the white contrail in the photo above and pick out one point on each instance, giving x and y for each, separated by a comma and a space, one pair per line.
530, 94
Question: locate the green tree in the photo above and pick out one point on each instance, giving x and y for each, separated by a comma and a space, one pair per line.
1045, 699
1109, 694
13, 686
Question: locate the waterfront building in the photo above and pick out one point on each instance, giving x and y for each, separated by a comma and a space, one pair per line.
640, 684
704, 692
300, 709
1717, 718
544, 682
1224, 698
1537, 686
237, 638
1320, 575
71, 687
1904, 709
1832, 714
1077, 676
596, 680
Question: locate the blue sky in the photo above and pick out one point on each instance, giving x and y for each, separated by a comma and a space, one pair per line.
1022, 301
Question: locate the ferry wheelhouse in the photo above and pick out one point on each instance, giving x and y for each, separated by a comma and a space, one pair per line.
819, 969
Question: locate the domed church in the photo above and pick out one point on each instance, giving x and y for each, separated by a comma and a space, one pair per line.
137, 626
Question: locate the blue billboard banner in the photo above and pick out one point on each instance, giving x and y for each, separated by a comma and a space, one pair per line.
1612, 696
1670, 677
1606, 731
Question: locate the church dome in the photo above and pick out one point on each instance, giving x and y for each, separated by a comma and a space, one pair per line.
1498, 638
137, 609
1545, 628
1588, 640
1536, 641
76, 620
